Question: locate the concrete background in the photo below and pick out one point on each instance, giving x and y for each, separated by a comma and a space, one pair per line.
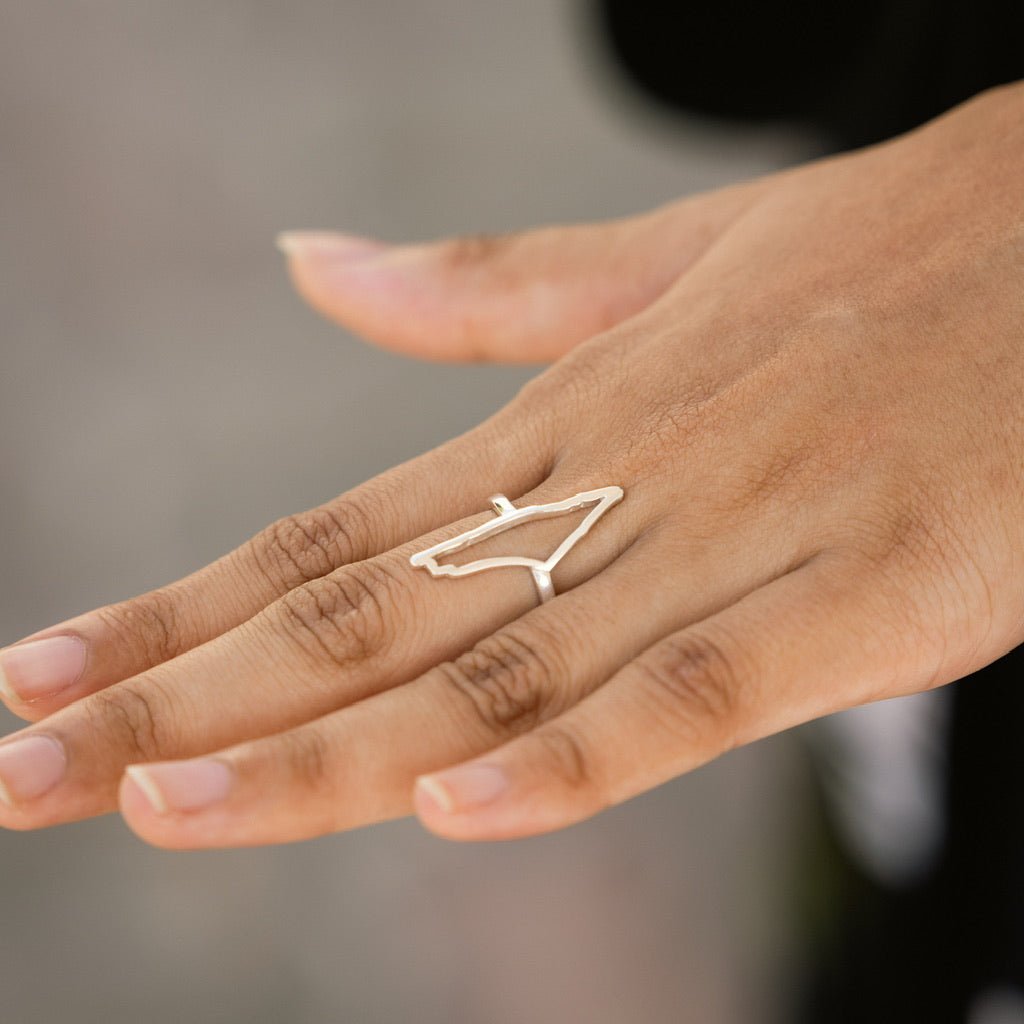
163, 395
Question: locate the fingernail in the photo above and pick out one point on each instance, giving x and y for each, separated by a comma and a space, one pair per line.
462, 789
30, 767
41, 668
182, 786
327, 244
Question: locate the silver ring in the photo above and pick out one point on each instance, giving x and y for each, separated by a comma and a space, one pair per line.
508, 516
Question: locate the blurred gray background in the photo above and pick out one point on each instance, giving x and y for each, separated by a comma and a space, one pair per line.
163, 395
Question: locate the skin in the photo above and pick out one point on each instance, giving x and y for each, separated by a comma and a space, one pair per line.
810, 388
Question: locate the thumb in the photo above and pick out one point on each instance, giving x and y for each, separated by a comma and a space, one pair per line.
517, 298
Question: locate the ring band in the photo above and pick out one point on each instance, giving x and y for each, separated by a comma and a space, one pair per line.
508, 516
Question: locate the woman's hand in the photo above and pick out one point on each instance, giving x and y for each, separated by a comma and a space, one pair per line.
811, 389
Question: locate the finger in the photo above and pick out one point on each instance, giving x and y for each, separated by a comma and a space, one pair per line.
812, 642
358, 765
326, 644
64, 663
517, 298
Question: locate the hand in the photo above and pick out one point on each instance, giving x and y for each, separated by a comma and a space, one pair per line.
809, 388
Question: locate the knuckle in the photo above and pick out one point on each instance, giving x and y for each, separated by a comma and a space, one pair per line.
926, 537
566, 757
307, 759
768, 478
345, 617
579, 381
693, 682
928, 581
311, 784
473, 250
151, 623
304, 547
134, 719
676, 421
505, 681
532, 420
905, 539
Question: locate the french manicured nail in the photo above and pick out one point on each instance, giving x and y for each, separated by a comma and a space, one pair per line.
41, 668
462, 789
30, 767
182, 786
327, 244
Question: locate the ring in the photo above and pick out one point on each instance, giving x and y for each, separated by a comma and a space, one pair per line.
508, 516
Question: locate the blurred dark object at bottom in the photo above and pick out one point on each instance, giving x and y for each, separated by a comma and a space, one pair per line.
942, 947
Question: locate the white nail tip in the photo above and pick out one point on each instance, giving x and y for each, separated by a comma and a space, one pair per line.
437, 793
7, 691
149, 788
5, 794
289, 242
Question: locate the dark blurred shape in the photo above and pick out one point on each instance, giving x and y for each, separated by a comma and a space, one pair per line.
933, 950
857, 72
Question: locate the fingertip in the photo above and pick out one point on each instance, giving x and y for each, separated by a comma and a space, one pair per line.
326, 245
11, 700
432, 806
131, 800
348, 280
478, 827
473, 802
156, 833
141, 785
31, 713
140, 810
436, 811
322, 266
137, 808
42, 672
